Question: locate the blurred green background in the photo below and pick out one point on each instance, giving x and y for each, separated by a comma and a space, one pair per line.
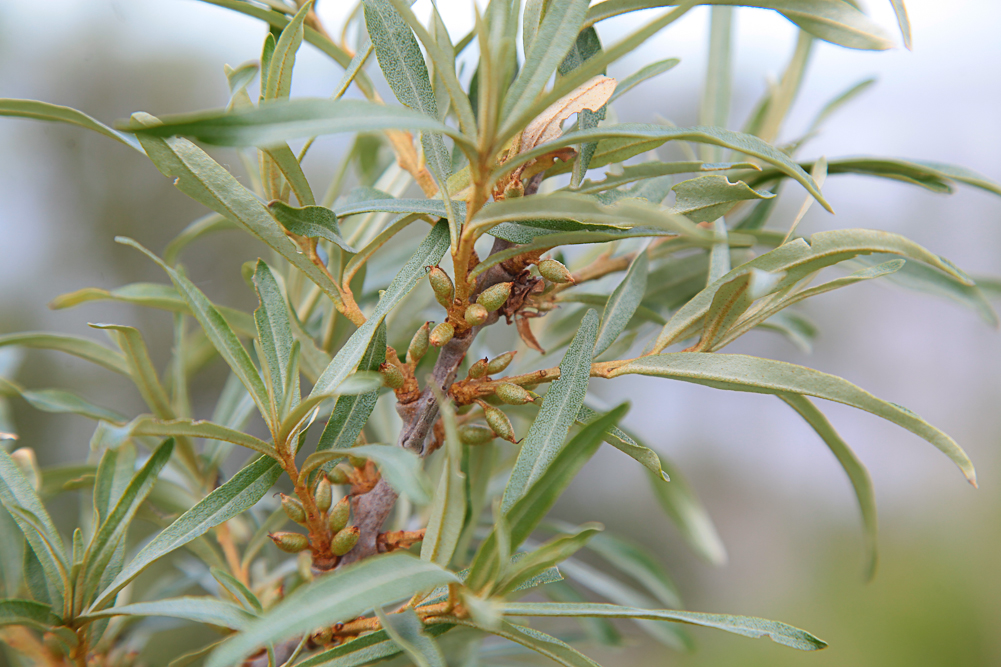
782, 505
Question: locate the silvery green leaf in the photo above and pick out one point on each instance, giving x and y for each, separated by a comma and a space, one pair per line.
311, 221
202, 610
853, 467
407, 631
216, 328
622, 304
335, 597
114, 527
831, 20
738, 372
429, 253
238, 494
78, 347
707, 198
547, 435
53, 112
21, 500
747, 626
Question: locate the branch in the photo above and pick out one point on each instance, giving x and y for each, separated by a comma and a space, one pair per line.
372, 508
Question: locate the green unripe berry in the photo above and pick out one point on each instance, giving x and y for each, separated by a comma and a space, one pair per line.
392, 376
357, 461
345, 540
419, 344
294, 510
476, 315
499, 422
554, 271
291, 543
339, 515
494, 297
441, 334
512, 394
478, 369
444, 290
475, 434
499, 363
324, 494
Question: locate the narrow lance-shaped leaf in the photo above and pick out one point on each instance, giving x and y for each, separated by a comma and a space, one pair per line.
546, 645
27, 612
59, 401
216, 328
853, 467
448, 510
622, 441
198, 428
529, 510
547, 555
203, 610
622, 303
429, 253
291, 119
24, 505
105, 541
279, 75
60, 114
141, 368
831, 20
113, 476
350, 413
74, 345
651, 136
206, 181
738, 372
310, 221
564, 399
798, 259
587, 45
237, 495
747, 626
689, 515
273, 329
557, 33
707, 198
333, 598
152, 295
407, 631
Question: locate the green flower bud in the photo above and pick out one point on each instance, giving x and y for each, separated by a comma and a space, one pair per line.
324, 494
499, 363
339, 515
357, 461
512, 394
419, 344
478, 369
476, 315
441, 334
444, 291
555, 271
344, 541
475, 434
499, 422
293, 509
292, 543
339, 475
392, 376
494, 297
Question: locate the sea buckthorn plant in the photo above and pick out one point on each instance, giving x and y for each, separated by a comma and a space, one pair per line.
428, 326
